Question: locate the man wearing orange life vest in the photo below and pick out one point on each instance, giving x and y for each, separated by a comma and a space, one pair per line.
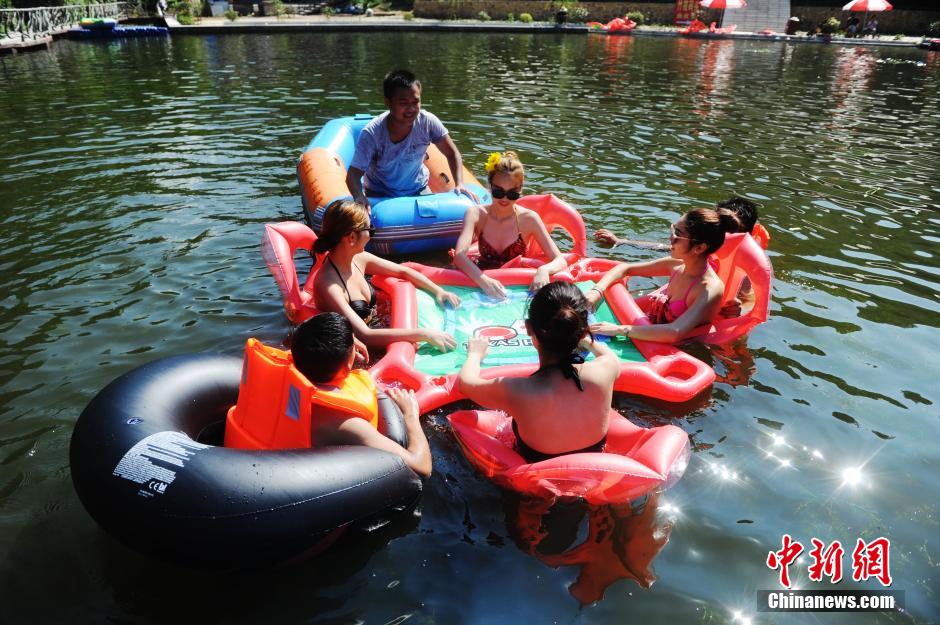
322, 349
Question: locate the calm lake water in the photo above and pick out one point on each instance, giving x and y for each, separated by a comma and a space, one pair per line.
135, 178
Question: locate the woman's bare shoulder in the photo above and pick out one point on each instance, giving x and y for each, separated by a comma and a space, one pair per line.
528, 217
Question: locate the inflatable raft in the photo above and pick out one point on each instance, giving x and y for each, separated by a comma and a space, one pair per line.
282, 241
118, 32
404, 225
108, 28
147, 465
651, 369
636, 460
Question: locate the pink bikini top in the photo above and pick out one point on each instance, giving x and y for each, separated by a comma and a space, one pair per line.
665, 310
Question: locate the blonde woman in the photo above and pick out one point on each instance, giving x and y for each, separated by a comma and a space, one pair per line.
503, 230
341, 285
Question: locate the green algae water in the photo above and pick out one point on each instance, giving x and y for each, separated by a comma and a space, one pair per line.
136, 176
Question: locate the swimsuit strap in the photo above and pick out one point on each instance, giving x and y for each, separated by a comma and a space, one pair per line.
340, 276
519, 238
692, 285
371, 302
567, 369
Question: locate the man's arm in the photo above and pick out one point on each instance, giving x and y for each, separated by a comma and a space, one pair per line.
449, 149
356, 431
365, 152
354, 182
607, 236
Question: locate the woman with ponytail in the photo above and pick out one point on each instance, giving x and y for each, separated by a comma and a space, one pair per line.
341, 285
503, 230
694, 291
564, 406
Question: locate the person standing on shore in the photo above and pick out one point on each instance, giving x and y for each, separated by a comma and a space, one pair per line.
851, 26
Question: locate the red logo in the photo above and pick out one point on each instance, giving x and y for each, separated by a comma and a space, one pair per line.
495, 333
826, 562
868, 560
784, 558
871, 560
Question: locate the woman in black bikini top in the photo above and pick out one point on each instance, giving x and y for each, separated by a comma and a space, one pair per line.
564, 406
365, 309
345, 288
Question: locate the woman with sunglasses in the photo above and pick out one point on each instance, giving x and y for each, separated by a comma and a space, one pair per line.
341, 285
503, 230
694, 291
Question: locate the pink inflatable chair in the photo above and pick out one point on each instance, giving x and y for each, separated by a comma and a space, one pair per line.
636, 460
278, 246
618, 24
694, 27
740, 257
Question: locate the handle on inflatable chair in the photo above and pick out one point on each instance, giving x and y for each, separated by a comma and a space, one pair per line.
278, 245
555, 213
675, 377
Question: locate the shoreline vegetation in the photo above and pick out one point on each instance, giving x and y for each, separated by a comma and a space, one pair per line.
405, 20
281, 17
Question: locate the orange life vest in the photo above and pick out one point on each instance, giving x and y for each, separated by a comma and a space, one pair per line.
276, 402
761, 235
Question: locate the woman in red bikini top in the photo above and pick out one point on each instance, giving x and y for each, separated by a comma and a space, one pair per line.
502, 229
694, 291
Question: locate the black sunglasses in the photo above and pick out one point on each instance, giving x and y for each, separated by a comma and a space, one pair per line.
370, 230
500, 193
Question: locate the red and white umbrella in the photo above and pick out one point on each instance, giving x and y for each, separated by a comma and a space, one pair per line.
722, 5
868, 6
736, 4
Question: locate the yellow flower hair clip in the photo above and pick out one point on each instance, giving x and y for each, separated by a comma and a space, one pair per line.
492, 162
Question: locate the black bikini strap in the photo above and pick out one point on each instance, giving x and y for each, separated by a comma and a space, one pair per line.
340, 276
567, 369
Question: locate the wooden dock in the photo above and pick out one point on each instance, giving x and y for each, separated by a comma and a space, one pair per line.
17, 45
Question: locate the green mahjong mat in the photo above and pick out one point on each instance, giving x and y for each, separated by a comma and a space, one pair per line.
503, 321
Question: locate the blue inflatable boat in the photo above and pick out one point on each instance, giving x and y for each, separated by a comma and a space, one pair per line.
403, 225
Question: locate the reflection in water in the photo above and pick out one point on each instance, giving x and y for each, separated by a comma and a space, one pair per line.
715, 78
621, 542
618, 50
854, 68
733, 363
